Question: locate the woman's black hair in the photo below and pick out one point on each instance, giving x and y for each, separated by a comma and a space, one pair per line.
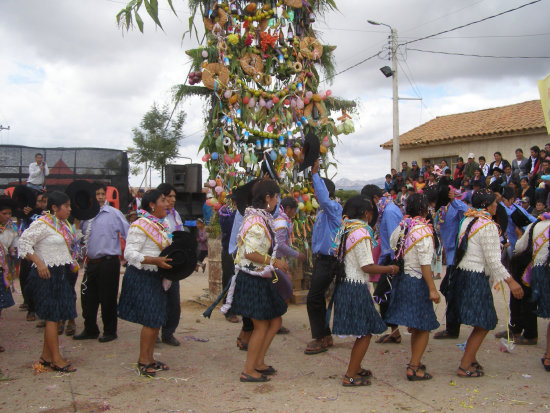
331, 188
482, 198
508, 193
57, 198
100, 185
261, 189
149, 197
442, 195
498, 153
166, 188
535, 149
417, 205
370, 191
357, 205
289, 202
478, 170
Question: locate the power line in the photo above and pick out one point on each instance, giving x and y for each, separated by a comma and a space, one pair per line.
351, 67
471, 23
478, 55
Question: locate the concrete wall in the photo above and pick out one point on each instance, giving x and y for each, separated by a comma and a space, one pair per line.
486, 147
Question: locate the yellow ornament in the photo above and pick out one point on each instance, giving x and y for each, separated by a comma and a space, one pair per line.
233, 39
301, 206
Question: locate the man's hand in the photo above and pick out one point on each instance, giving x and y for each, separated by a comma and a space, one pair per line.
27, 210
162, 262
315, 167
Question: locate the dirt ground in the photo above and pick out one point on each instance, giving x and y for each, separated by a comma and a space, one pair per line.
204, 371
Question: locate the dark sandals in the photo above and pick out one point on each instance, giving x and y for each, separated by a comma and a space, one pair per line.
355, 381
444, 334
65, 369
415, 369
44, 363
316, 346
246, 378
364, 373
389, 338
241, 344
546, 366
160, 366
470, 374
270, 371
147, 369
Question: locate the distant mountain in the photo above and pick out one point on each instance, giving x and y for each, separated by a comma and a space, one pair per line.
357, 185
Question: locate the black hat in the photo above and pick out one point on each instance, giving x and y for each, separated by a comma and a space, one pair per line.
6, 202
242, 195
311, 150
23, 197
268, 167
84, 204
183, 252
497, 169
519, 218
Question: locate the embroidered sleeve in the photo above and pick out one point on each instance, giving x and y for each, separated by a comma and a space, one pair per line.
490, 245
254, 239
283, 248
363, 252
30, 237
395, 237
134, 245
425, 250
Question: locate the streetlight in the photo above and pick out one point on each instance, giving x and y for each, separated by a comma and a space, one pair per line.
395, 151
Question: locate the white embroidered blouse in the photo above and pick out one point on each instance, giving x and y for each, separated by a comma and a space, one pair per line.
540, 238
138, 246
9, 238
421, 252
256, 239
357, 256
44, 241
483, 252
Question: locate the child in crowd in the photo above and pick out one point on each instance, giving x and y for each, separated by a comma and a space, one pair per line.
419, 184
388, 184
202, 240
540, 207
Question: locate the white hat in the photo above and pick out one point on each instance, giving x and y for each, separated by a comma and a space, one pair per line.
209, 195
471, 156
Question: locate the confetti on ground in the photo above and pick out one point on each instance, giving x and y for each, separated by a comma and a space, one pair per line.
200, 340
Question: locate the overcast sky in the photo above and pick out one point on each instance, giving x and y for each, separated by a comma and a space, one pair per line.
70, 77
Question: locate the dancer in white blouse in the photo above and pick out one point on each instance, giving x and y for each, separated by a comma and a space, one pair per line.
51, 243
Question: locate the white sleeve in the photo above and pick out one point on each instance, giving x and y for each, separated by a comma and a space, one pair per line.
425, 250
395, 237
30, 237
490, 245
253, 239
134, 244
34, 171
46, 169
363, 253
522, 243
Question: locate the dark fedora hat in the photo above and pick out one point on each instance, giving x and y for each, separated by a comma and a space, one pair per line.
23, 196
242, 196
84, 204
183, 252
311, 150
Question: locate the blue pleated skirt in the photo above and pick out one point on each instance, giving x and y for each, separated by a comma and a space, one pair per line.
142, 298
6, 299
54, 298
410, 304
540, 285
354, 311
470, 300
256, 297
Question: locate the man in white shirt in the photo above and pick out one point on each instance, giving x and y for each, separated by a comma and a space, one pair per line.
38, 171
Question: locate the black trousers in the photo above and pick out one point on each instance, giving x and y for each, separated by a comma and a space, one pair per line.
24, 270
100, 287
173, 310
452, 328
324, 271
228, 267
522, 314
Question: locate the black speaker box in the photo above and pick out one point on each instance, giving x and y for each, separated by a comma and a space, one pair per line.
186, 178
189, 205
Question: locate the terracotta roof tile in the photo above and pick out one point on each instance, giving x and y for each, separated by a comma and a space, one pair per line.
487, 122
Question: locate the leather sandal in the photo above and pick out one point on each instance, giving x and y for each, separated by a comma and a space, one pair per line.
469, 373
364, 373
546, 366
44, 363
355, 381
246, 378
389, 338
160, 366
241, 344
65, 369
444, 334
269, 371
415, 376
147, 369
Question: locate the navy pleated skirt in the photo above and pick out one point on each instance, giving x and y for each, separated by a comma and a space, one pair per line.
470, 300
540, 285
142, 298
54, 298
354, 311
410, 304
256, 297
6, 299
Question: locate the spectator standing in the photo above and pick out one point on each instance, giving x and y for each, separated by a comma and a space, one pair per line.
483, 166
498, 163
519, 164
444, 166
459, 172
38, 171
471, 166
405, 170
533, 165
414, 172
202, 241
388, 185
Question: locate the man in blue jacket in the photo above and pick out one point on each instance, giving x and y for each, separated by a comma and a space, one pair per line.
327, 223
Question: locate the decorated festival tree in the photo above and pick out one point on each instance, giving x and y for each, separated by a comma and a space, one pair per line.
262, 68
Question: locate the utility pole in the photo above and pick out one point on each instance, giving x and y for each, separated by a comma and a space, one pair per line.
395, 151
